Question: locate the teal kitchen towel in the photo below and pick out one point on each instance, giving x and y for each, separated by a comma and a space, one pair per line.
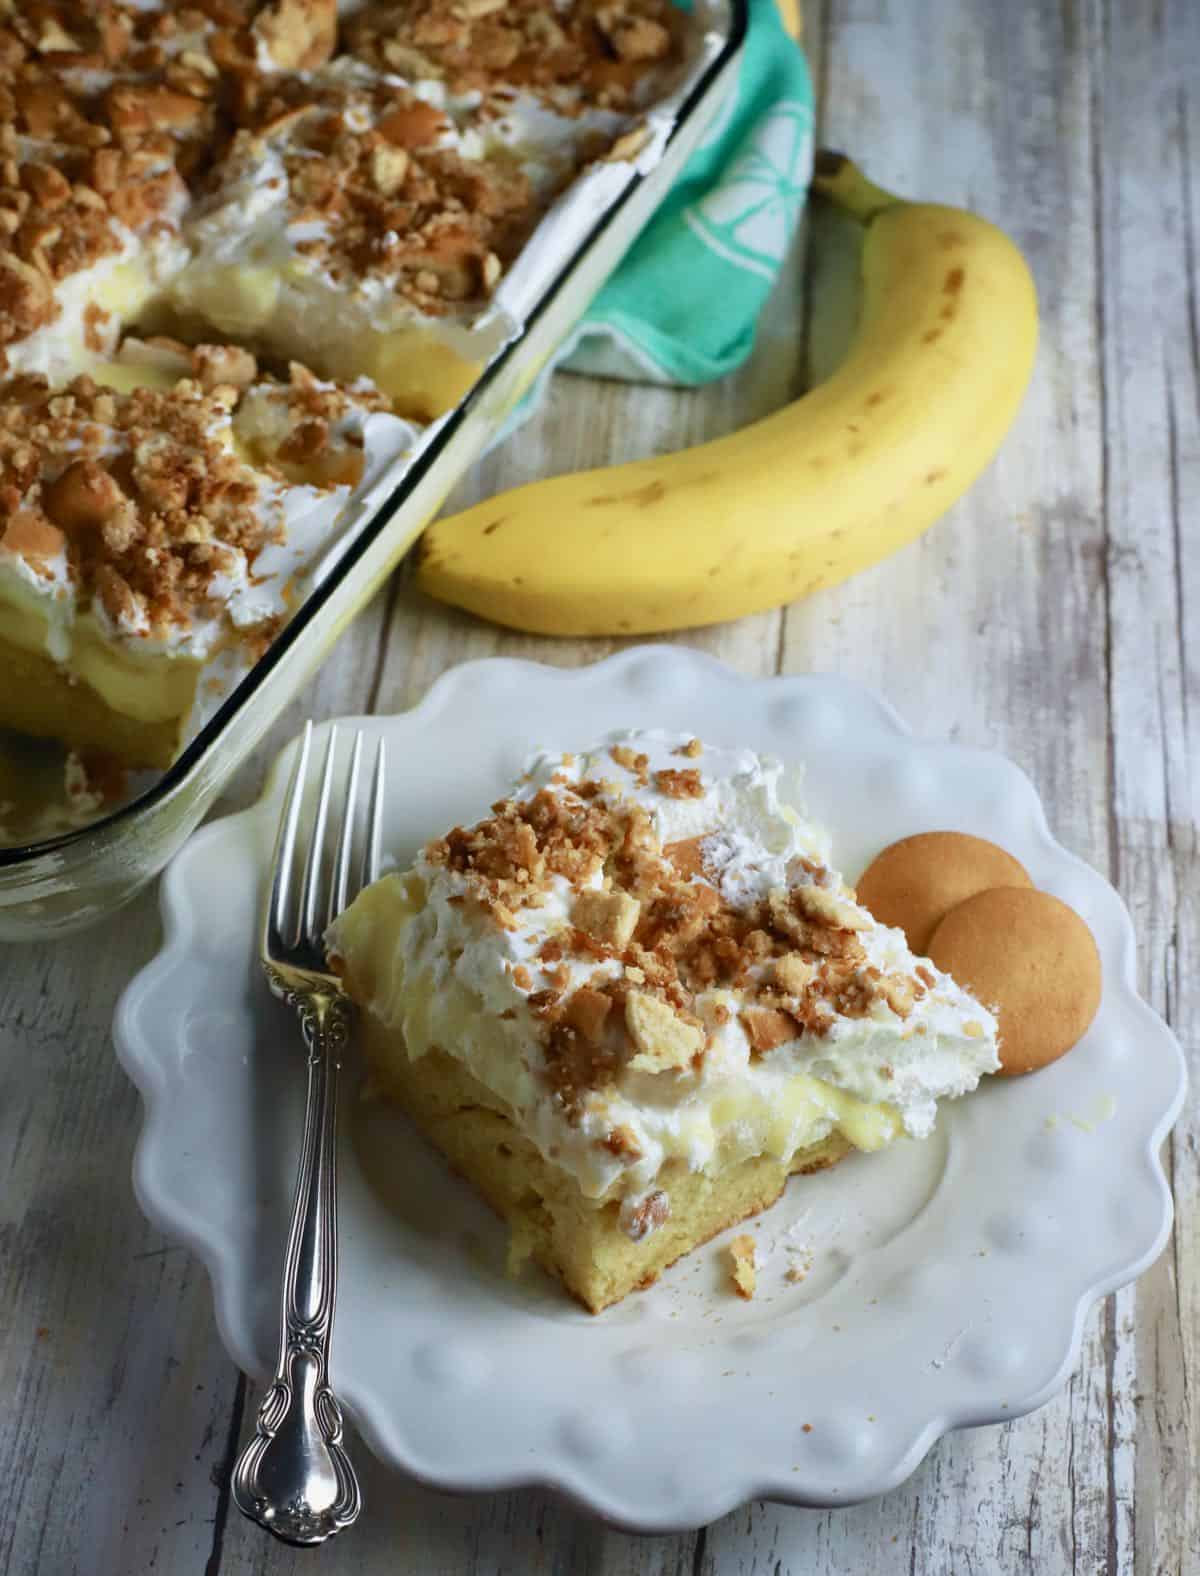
684, 304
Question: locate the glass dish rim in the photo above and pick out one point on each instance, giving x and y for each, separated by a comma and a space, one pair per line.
177, 774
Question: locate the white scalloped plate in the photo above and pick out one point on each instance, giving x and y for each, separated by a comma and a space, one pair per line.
949, 1280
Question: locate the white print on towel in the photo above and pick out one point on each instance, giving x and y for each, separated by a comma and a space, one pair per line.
750, 217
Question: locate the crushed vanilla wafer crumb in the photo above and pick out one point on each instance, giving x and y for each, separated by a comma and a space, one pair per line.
742, 1267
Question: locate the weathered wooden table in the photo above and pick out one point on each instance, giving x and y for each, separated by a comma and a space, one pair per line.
1053, 615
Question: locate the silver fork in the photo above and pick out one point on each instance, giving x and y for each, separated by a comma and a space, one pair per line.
294, 1477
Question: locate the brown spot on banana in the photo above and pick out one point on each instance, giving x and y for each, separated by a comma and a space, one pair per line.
646, 496
935, 476
954, 281
495, 525
877, 397
949, 239
931, 337
641, 497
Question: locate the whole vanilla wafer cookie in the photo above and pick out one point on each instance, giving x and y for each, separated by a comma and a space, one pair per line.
1033, 961
914, 883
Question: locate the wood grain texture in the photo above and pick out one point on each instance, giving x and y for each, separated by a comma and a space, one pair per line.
1053, 615
1148, 243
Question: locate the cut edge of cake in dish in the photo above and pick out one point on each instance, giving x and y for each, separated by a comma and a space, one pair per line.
633, 1000
152, 538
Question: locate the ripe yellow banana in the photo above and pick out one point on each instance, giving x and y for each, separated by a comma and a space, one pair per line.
837, 480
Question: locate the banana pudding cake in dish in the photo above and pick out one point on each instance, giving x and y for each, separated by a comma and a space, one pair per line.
244, 248
635, 998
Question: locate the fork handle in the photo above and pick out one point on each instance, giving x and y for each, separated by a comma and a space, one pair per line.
294, 1477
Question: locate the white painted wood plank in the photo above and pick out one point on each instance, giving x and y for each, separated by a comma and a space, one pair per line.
1149, 246
113, 1392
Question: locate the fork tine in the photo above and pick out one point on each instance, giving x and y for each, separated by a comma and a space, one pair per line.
371, 853
285, 841
339, 886
316, 846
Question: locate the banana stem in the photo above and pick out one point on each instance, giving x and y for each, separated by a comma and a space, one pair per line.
837, 178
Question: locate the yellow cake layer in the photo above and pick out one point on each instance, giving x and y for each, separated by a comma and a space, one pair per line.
37, 697
574, 1238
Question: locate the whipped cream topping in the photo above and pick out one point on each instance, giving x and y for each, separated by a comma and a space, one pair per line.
824, 1022
745, 812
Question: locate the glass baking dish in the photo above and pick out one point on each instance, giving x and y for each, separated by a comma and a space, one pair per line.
66, 882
